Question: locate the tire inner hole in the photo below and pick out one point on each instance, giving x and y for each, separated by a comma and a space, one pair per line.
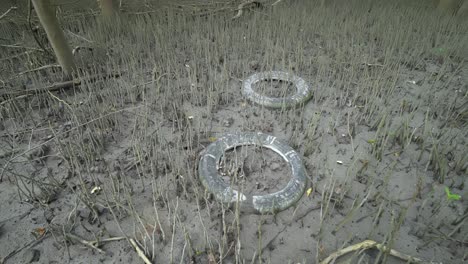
274, 88
254, 170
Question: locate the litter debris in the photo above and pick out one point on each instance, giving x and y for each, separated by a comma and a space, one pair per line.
96, 189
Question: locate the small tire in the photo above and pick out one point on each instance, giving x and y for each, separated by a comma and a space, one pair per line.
303, 91
269, 203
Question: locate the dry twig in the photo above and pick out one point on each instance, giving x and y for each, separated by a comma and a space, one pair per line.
92, 244
8, 11
140, 252
368, 244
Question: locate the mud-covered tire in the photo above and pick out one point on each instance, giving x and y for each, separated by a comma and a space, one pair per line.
269, 203
303, 91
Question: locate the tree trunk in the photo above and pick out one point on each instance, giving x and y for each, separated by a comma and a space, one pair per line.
62, 50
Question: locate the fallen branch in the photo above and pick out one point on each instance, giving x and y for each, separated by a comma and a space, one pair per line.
54, 87
368, 244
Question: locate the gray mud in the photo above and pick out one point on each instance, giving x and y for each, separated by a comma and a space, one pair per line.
382, 138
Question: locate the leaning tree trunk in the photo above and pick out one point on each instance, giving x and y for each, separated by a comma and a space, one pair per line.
49, 21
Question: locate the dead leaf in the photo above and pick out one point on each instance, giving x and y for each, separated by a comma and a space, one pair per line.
39, 232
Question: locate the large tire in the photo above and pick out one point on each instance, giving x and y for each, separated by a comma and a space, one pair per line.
303, 92
269, 203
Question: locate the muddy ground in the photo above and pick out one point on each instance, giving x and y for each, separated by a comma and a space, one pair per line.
93, 167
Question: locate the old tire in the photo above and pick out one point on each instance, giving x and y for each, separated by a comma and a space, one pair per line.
269, 203
303, 91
